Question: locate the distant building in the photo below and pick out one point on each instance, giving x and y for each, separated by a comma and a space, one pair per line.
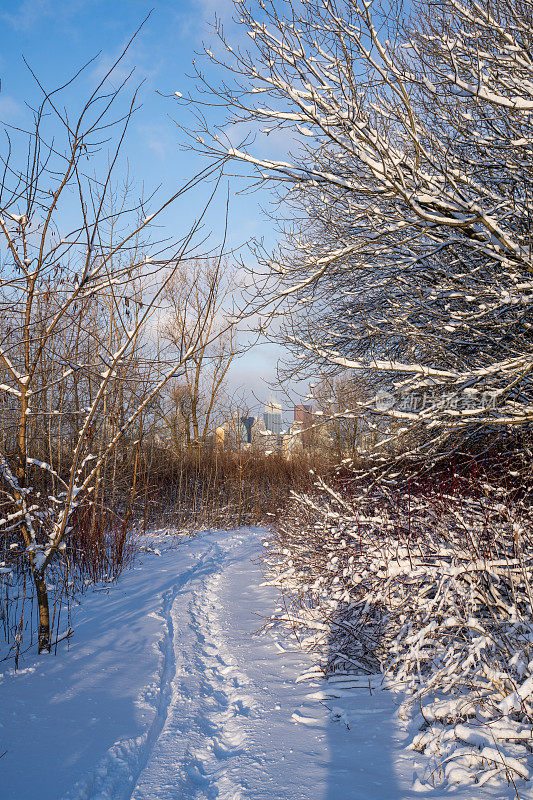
292, 441
303, 425
220, 435
235, 433
303, 414
273, 417
260, 436
248, 423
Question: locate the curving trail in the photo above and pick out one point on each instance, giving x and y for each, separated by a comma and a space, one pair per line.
236, 723
166, 693
210, 700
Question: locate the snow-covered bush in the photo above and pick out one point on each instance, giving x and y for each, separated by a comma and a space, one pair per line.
434, 589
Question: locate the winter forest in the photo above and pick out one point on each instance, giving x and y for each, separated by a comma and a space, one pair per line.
201, 601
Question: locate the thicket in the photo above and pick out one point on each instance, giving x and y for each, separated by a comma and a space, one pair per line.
425, 576
141, 489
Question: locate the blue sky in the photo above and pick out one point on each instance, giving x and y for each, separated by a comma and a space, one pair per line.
58, 36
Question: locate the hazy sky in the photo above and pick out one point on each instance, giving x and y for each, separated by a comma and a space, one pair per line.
57, 37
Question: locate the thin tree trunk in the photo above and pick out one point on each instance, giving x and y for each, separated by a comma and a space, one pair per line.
44, 614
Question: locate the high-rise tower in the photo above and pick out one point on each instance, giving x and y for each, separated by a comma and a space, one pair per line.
273, 417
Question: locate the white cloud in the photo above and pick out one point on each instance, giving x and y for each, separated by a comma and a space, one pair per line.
10, 109
222, 8
28, 13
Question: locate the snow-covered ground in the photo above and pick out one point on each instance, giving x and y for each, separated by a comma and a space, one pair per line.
165, 692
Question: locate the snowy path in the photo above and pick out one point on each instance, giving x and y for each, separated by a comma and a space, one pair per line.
229, 730
166, 694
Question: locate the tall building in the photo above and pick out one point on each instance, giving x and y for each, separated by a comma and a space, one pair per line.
303, 424
303, 414
273, 417
248, 423
260, 436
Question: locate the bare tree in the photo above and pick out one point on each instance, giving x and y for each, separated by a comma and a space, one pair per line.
200, 302
73, 265
338, 400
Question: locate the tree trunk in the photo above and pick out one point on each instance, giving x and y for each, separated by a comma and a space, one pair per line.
44, 614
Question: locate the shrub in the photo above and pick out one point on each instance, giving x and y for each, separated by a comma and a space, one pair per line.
431, 586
